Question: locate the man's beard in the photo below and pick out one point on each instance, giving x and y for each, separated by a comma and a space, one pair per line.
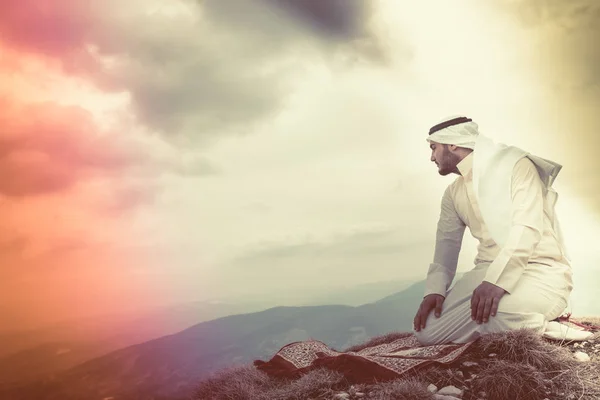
448, 164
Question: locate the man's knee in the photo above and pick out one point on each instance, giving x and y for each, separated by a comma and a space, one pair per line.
426, 337
429, 335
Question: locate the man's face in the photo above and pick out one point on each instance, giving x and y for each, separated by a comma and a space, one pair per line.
443, 158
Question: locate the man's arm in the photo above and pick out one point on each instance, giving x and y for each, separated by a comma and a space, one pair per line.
450, 232
449, 236
527, 223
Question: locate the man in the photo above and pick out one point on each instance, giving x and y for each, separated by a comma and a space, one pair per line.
522, 274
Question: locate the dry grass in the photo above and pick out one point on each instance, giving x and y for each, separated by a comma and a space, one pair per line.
400, 389
506, 379
248, 383
441, 376
525, 347
525, 366
595, 321
529, 366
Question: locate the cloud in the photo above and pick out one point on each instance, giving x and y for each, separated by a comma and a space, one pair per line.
337, 19
46, 147
276, 24
382, 251
364, 243
565, 35
11, 244
206, 69
350, 258
129, 195
63, 247
49, 148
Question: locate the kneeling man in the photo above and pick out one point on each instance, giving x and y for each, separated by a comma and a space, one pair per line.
522, 274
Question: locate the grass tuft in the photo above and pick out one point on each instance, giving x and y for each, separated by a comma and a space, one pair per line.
503, 380
248, 383
526, 347
401, 389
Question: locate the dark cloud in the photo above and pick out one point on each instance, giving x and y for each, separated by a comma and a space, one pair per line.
277, 22
338, 19
223, 67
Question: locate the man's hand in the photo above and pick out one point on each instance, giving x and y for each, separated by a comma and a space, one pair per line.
430, 302
484, 301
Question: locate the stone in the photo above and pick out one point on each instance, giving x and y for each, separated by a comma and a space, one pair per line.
444, 397
359, 395
450, 391
342, 395
432, 388
581, 356
492, 355
460, 374
469, 364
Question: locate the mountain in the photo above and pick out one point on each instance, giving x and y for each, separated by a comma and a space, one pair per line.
360, 294
28, 355
169, 367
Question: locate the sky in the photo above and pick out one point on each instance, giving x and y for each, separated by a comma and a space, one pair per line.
155, 153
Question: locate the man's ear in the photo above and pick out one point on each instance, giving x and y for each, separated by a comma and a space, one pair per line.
452, 147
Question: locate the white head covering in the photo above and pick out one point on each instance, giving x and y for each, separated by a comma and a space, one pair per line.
493, 164
457, 130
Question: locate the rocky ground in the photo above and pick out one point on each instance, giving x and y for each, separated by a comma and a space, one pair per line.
463, 378
518, 365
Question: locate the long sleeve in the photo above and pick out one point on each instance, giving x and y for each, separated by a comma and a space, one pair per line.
527, 219
449, 236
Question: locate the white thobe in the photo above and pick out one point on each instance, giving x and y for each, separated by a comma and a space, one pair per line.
531, 266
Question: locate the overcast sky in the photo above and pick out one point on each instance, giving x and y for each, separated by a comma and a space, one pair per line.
153, 154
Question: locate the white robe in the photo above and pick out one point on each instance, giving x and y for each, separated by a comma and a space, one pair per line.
531, 264
493, 167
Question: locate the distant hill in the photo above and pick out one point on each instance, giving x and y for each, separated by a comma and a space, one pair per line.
32, 354
360, 294
169, 367
27, 355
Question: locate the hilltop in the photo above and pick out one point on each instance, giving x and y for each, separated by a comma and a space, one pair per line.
518, 365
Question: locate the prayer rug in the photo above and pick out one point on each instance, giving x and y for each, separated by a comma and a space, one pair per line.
380, 362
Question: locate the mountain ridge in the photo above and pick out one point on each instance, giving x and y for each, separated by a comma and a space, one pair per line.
171, 365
